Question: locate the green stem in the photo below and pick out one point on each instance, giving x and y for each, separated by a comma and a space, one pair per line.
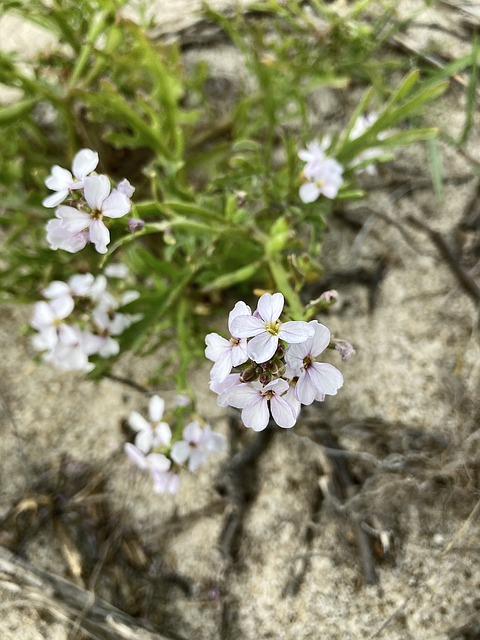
83, 59
280, 276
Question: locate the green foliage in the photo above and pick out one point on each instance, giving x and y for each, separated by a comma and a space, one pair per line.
218, 193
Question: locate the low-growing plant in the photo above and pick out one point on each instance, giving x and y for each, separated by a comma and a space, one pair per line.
211, 204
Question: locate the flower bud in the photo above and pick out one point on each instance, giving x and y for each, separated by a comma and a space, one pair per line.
135, 224
249, 374
265, 377
277, 369
344, 348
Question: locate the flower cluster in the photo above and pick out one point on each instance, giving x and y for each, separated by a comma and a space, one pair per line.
323, 175
276, 364
91, 200
154, 451
80, 318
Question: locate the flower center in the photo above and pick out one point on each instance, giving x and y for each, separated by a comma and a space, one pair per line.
307, 361
273, 327
235, 341
319, 183
96, 214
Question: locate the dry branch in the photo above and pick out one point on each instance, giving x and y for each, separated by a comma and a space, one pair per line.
94, 616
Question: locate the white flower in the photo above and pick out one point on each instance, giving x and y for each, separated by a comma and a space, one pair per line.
224, 387
267, 330
61, 180
196, 445
47, 318
154, 433
315, 380
253, 399
72, 349
312, 155
227, 354
126, 188
74, 228
117, 270
324, 177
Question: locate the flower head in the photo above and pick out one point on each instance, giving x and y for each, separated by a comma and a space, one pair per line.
227, 354
196, 445
265, 328
151, 433
255, 400
315, 379
61, 180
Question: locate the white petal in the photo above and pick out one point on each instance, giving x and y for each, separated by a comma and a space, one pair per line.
279, 386
125, 187
222, 367
55, 199
84, 162
327, 378
138, 422
156, 407
306, 390
59, 179
296, 331
242, 395
99, 235
270, 306
216, 346
135, 456
309, 192
197, 458
162, 435
43, 316
321, 340
62, 307
96, 190
240, 309
144, 441
193, 432
239, 353
158, 462
262, 347
282, 412
247, 326
55, 289
108, 348
116, 205
180, 452
295, 354
256, 415
81, 283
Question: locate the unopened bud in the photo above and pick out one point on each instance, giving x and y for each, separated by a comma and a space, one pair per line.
135, 224
277, 369
265, 377
249, 374
344, 348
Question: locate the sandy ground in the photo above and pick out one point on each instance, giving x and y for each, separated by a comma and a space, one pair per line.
408, 414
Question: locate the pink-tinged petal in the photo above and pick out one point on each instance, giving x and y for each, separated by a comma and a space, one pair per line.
216, 346
135, 455
96, 190
247, 326
262, 347
278, 386
62, 307
222, 366
144, 441
116, 205
81, 283
309, 192
73, 220
84, 162
158, 462
295, 354
193, 432
242, 395
239, 352
197, 458
240, 309
320, 340
306, 389
156, 407
289, 396
55, 199
162, 435
282, 412
99, 235
59, 179
126, 188
270, 306
328, 378
296, 331
138, 423
256, 416
180, 452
